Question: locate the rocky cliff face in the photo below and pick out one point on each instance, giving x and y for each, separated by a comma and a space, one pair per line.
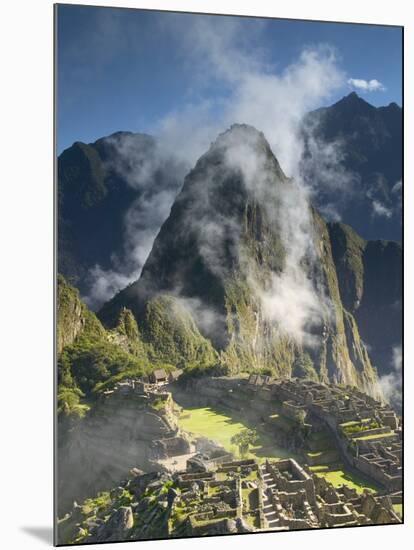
73, 317
252, 261
370, 281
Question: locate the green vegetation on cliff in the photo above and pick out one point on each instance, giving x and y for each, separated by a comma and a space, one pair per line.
73, 317
92, 359
172, 336
127, 336
303, 368
89, 356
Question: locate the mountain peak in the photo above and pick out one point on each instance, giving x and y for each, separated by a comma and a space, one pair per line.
393, 106
240, 146
352, 100
239, 134
242, 129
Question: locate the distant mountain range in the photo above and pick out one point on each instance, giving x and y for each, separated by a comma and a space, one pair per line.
100, 182
361, 145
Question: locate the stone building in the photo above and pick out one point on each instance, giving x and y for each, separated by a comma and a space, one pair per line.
158, 376
364, 434
243, 496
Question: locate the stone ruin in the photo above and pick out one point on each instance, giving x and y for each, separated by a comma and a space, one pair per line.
243, 496
211, 493
224, 499
364, 433
173, 442
374, 451
237, 496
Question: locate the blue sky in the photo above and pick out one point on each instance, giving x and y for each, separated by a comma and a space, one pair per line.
134, 70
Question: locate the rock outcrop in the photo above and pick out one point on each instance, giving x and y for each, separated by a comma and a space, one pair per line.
73, 317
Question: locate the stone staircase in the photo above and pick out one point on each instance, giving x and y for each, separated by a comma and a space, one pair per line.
268, 508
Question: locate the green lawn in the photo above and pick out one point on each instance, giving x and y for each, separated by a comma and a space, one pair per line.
208, 423
350, 423
343, 477
221, 427
353, 422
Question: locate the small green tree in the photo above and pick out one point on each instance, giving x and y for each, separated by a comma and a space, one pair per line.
303, 367
243, 440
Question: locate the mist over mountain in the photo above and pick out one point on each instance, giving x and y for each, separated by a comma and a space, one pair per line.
113, 195
244, 251
353, 163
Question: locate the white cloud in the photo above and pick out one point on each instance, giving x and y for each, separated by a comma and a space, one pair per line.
391, 384
255, 92
366, 85
330, 212
294, 305
248, 89
379, 209
157, 177
397, 187
104, 283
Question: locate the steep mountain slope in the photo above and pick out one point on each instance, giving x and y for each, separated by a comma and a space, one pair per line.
366, 142
244, 251
90, 357
98, 184
73, 317
370, 281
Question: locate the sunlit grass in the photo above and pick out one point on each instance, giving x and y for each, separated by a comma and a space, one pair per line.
221, 427
343, 477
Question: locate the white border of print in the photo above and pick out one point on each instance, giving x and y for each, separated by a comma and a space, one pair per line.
26, 323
